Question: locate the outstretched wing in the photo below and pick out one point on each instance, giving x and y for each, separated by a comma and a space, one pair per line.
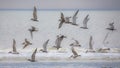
76, 13
60, 25
73, 51
62, 20
28, 42
74, 17
76, 42
14, 46
25, 46
57, 42
86, 19
33, 55
45, 45
62, 16
35, 13
90, 43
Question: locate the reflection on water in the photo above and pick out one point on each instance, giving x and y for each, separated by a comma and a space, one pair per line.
61, 65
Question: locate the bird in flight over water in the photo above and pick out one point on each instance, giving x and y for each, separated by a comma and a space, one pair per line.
75, 54
33, 56
34, 14
111, 26
14, 51
33, 29
74, 18
62, 20
58, 41
26, 43
85, 21
45, 46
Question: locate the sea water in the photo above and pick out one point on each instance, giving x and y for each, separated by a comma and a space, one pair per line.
61, 65
15, 25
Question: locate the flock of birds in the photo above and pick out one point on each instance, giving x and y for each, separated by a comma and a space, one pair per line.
63, 20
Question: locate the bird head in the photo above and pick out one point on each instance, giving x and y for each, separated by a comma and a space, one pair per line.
63, 36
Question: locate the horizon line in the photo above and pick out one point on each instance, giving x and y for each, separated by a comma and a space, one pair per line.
61, 9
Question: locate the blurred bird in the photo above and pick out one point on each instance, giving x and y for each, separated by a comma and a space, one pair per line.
74, 18
33, 56
85, 21
76, 43
14, 51
33, 29
111, 26
34, 14
26, 43
62, 20
75, 54
58, 41
90, 45
45, 46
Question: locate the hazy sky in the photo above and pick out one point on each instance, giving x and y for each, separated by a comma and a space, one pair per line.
60, 4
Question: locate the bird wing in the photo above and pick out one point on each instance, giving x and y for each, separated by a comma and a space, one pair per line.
14, 46
57, 43
33, 55
76, 42
62, 15
74, 52
62, 20
86, 19
45, 45
60, 25
28, 42
35, 13
90, 43
25, 46
76, 13
74, 17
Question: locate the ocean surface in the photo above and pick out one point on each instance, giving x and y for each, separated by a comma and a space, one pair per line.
15, 25
61, 65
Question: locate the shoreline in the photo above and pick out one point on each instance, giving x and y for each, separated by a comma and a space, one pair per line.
63, 60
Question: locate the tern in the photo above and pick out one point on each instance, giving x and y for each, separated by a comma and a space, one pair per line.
33, 29
75, 54
85, 21
26, 43
58, 41
14, 51
33, 56
111, 26
34, 14
45, 46
74, 18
